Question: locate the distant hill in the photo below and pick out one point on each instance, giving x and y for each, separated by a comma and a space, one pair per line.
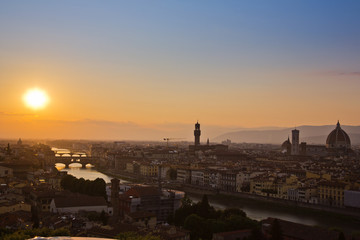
309, 134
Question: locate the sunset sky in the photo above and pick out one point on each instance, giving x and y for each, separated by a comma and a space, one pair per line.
151, 69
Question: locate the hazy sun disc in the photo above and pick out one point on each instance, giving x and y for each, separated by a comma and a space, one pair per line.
36, 98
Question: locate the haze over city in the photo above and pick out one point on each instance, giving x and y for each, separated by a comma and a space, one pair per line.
150, 69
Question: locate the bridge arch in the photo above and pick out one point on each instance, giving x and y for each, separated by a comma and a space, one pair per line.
67, 160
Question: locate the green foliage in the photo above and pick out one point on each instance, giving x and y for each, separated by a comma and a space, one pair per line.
61, 232
202, 220
98, 217
186, 202
195, 225
135, 236
94, 188
30, 233
186, 209
233, 212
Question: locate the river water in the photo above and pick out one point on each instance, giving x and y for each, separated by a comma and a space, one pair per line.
254, 211
261, 210
87, 173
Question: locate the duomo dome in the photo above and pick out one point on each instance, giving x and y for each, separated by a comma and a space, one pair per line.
338, 139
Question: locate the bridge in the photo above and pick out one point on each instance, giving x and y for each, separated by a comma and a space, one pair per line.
67, 160
70, 154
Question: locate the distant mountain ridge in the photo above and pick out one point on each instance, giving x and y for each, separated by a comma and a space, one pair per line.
309, 134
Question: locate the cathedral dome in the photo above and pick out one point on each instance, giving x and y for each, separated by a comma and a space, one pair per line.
338, 138
286, 147
286, 144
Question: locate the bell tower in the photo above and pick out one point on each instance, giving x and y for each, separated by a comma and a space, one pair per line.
197, 133
295, 142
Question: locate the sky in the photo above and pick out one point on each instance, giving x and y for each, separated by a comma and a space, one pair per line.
151, 69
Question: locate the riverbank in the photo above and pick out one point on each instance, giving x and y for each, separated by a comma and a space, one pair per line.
124, 177
259, 209
275, 201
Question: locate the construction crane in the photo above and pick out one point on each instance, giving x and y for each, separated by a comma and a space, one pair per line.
170, 139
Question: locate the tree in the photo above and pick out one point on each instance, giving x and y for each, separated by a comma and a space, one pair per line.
276, 233
203, 208
236, 222
135, 236
35, 217
103, 218
195, 225
94, 188
30, 233
341, 236
180, 214
233, 212
8, 149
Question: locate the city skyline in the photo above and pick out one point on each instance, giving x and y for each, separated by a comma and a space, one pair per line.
136, 68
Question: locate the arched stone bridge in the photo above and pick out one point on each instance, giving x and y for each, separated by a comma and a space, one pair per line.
67, 160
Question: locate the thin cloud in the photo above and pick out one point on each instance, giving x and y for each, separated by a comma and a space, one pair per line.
16, 114
349, 73
340, 73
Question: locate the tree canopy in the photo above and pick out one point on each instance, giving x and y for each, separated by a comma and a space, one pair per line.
30, 233
202, 220
94, 188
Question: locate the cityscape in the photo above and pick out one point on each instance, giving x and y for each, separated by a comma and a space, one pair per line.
179, 120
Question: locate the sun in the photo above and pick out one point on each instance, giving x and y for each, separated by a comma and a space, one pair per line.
36, 98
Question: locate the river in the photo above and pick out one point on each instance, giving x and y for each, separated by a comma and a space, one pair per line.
261, 210
87, 173
256, 211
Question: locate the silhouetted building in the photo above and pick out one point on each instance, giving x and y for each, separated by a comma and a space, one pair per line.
144, 198
197, 133
338, 139
295, 142
115, 196
286, 147
337, 143
198, 147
